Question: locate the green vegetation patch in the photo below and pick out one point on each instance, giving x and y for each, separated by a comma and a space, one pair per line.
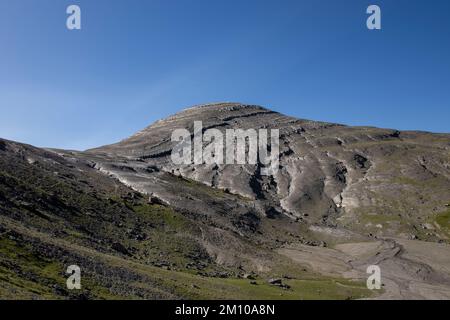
28, 275
443, 220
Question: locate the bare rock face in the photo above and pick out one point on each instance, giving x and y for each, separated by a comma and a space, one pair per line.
329, 174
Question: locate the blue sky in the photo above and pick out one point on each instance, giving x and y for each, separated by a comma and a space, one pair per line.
137, 61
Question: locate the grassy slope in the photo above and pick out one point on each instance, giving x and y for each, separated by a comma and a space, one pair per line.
26, 274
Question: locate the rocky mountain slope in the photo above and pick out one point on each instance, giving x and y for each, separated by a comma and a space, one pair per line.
140, 226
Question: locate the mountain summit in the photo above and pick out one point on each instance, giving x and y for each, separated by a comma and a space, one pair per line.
327, 171
343, 198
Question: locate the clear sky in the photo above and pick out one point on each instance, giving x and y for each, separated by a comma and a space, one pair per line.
136, 61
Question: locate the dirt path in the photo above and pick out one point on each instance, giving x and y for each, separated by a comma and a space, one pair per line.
410, 269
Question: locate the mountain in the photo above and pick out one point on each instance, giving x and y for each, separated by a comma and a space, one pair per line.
140, 226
